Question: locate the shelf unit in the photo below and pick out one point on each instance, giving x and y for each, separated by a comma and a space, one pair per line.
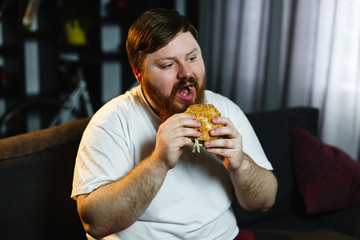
32, 57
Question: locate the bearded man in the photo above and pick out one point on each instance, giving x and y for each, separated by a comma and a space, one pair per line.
136, 176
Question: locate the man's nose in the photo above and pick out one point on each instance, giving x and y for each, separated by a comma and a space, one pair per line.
184, 71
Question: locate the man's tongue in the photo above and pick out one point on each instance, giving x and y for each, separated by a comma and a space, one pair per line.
186, 93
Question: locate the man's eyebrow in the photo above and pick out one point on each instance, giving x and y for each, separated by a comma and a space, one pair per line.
194, 50
171, 58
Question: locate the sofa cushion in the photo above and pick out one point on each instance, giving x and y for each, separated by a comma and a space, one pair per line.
274, 139
272, 130
327, 178
346, 220
294, 227
35, 182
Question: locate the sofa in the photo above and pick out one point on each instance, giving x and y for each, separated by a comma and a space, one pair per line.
36, 171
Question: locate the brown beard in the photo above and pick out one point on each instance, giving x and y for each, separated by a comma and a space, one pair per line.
166, 105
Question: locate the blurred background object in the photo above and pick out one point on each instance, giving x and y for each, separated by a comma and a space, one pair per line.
3, 77
119, 8
30, 12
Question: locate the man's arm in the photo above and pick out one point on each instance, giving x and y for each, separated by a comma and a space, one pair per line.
255, 187
115, 206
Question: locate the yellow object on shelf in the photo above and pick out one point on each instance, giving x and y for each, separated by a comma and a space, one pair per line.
75, 35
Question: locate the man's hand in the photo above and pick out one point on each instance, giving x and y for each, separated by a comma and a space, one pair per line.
175, 133
228, 148
255, 187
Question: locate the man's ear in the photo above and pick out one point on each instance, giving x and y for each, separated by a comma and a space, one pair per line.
137, 74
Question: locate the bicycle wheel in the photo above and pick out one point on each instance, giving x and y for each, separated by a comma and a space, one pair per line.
29, 115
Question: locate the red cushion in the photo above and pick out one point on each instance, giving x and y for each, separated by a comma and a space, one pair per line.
245, 235
328, 179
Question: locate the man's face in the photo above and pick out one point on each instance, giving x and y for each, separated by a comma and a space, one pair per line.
173, 77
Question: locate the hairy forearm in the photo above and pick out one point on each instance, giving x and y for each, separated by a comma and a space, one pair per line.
255, 187
116, 206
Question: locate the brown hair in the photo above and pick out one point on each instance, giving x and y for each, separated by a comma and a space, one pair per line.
153, 30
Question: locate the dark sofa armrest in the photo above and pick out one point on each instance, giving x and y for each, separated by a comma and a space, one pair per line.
345, 220
36, 171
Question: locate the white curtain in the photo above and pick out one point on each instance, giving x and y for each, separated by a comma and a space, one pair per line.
272, 54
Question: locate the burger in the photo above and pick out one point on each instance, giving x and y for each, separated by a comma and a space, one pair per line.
204, 113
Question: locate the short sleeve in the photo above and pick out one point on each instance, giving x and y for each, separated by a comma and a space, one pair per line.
103, 156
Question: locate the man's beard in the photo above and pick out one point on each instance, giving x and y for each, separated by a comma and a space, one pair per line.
166, 105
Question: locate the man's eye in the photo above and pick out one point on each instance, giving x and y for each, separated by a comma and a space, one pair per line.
192, 58
169, 65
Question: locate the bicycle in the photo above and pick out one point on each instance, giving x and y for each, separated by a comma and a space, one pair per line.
42, 112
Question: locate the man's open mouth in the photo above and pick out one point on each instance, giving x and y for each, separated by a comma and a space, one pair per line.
187, 92
189, 88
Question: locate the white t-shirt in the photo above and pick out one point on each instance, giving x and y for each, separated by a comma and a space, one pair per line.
194, 201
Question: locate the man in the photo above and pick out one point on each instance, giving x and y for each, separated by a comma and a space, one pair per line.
136, 176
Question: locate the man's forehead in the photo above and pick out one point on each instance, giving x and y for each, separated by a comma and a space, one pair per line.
183, 44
